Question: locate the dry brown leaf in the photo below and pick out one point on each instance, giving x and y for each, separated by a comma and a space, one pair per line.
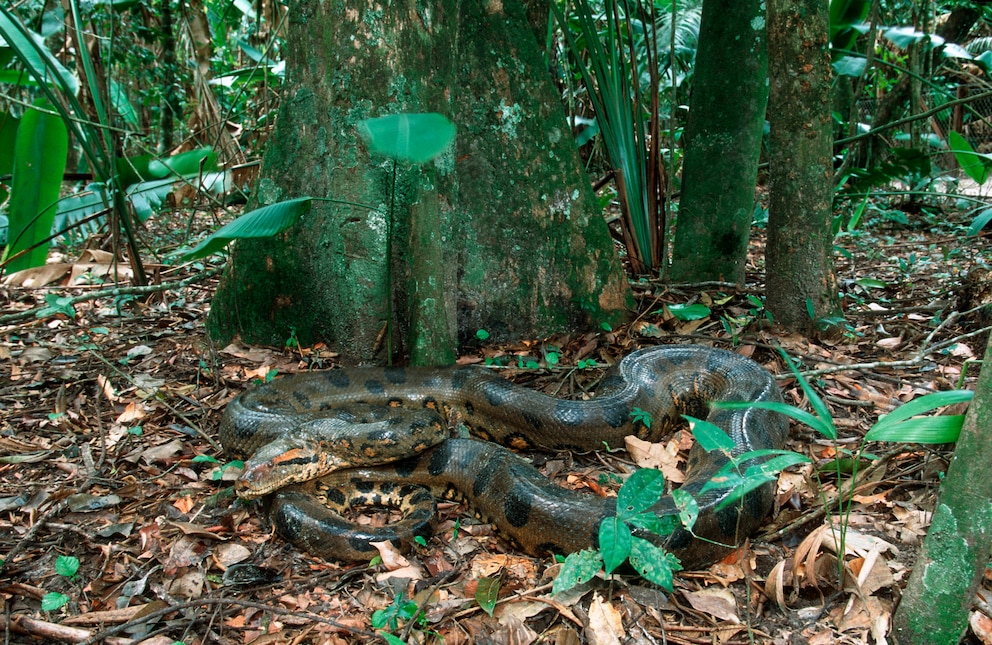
605, 624
663, 456
224, 555
716, 602
513, 631
981, 627
392, 559
132, 412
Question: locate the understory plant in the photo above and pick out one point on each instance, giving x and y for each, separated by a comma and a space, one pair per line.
742, 474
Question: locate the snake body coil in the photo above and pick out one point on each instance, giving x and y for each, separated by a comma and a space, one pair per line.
303, 426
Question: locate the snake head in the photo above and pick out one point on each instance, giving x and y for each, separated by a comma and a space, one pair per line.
287, 460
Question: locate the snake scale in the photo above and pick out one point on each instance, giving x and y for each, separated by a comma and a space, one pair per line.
342, 421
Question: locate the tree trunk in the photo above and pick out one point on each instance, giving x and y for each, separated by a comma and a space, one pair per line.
939, 593
800, 285
722, 143
525, 251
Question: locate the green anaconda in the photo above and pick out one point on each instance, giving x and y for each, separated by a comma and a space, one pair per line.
298, 427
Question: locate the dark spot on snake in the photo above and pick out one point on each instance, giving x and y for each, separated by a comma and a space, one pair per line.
460, 376
569, 413
549, 547
498, 393
535, 421
487, 472
364, 486
517, 441
405, 467
337, 378
469, 408
433, 382
439, 459
302, 399
616, 414
374, 386
395, 375
335, 496
517, 506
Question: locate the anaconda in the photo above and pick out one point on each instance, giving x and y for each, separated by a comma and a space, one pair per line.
302, 426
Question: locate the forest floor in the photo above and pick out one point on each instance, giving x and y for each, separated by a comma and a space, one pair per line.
109, 406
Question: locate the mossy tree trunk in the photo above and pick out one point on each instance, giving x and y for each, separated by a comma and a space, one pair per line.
722, 143
938, 596
801, 288
520, 247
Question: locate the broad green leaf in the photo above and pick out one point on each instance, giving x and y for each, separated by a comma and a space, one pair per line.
487, 593
122, 105
30, 50
980, 221
263, 222
772, 467
185, 164
392, 640
688, 508
39, 161
53, 600
972, 163
56, 305
871, 283
710, 437
8, 135
579, 567
917, 407
850, 66
641, 491
689, 312
657, 524
903, 37
746, 485
653, 563
614, 542
66, 565
415, 138
941, 429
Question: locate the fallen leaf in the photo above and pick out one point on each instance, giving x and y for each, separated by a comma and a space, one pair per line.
663, 456
605, 624
392, 559
715, 601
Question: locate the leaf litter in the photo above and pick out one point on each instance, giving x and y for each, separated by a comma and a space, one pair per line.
106, 455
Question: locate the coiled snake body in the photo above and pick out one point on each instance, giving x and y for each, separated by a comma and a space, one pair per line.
346, 420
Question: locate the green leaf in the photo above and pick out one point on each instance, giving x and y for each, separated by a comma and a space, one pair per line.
66, 565
30, 50
579, 567
710, 437
942, 429
56, 305
415, 138
689, 312
118, 98
974, 165
922, 405
53, 600
200, 459
850, 66
653, 563
392, 640
657, 524
688, 508
186, 164
614, 542
487, 593
980, 220
263, 222
482, 334
641, 491
39, 161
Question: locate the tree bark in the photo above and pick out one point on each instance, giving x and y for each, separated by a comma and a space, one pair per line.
524, 249
940, 590
800, 284
722, 143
